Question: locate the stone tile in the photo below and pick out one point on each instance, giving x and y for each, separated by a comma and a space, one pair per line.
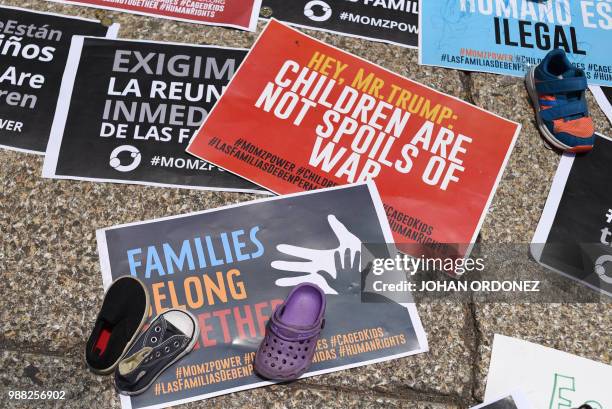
34, 372
51, 259
52, 224
512, 218
52, 284
518, 203
85, 390
574, 328
522, 193
305, 396
53, 312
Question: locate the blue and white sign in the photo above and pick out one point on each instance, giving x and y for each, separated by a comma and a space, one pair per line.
508, 36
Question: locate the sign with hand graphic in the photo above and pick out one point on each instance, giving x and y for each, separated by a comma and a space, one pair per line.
232, 266
318, 261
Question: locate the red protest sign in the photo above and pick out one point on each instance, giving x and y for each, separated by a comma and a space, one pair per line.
314, 116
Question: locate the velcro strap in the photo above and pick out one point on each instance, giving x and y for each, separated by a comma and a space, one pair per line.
560, 86
565, 110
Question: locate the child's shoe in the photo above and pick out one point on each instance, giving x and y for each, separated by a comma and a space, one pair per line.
557, 91
287, 350
170, 337
123, 313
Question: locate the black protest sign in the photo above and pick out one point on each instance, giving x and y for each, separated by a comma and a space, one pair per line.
390, 21
574, 236
608, 93
33, 51
603, 96
231, 267
129, 108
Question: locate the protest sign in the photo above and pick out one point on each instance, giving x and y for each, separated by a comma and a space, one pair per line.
548, 378
515, 400
507, 37
389, 21
603, 96
315, 116
241, 14
33, 52
574, 235
128, 109
232, 266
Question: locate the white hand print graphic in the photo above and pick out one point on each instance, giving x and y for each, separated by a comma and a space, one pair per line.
317, 261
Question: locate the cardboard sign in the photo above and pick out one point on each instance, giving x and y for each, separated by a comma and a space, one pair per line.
574, 235
603, 96
549, 378
128, 109
232, 266
241, 14
394, 22
315, 116
508, 37
33, 52
515, 400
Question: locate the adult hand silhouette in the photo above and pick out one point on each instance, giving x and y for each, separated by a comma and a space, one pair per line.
317, 260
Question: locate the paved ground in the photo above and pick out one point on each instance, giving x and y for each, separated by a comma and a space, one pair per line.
51, 285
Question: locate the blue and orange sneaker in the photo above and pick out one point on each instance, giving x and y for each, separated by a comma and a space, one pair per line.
557, 91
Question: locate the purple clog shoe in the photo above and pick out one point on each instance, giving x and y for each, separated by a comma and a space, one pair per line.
287, 350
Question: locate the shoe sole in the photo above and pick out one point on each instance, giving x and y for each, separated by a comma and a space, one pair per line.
187, 350
145, 317
535, 101
270, 377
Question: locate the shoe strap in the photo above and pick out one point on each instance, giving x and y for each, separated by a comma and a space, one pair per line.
565, 110
562, 85
293, 333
